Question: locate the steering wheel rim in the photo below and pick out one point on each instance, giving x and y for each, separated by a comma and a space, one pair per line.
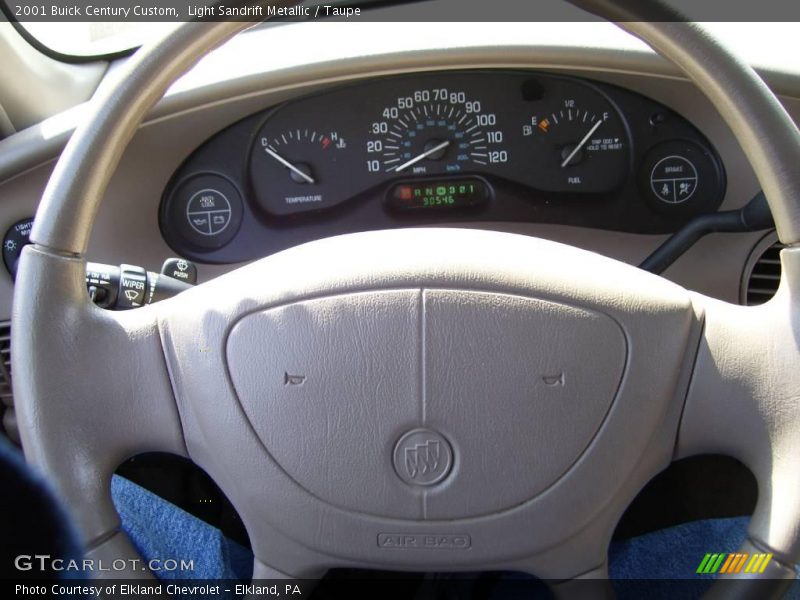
52, 306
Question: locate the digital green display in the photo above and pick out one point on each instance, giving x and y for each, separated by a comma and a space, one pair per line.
446, 194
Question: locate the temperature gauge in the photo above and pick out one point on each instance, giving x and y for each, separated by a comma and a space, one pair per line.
293, 169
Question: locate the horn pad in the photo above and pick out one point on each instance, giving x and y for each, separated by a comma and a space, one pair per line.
426, 403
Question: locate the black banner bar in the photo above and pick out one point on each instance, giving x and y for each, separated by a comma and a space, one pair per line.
354, 587
385, 11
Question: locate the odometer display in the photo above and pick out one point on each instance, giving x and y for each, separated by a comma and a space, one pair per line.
447, 194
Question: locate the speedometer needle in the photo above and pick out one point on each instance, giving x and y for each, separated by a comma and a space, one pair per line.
422, 156
288, 165
580, 144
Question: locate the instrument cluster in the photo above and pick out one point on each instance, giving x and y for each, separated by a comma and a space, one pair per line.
452, 147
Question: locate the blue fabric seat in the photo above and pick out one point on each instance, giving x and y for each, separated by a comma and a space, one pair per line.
162, 531
159, 529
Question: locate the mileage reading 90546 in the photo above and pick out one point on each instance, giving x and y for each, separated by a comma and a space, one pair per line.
459, 193
434, 131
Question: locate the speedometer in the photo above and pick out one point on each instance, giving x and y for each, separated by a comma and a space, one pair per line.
434, 131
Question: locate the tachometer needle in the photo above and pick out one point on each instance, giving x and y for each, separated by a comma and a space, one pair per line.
422, 156
289, 165
580, 144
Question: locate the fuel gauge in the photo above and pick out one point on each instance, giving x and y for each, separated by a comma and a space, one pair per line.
577, 147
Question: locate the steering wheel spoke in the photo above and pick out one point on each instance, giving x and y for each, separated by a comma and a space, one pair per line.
744, 401
91, 387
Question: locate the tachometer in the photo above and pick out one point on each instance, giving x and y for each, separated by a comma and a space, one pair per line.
434, 131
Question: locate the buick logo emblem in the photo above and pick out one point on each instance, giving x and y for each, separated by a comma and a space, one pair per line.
422, 457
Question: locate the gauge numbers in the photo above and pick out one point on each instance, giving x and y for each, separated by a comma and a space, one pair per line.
434, 131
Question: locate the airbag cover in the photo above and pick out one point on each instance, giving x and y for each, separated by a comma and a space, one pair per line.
517, 386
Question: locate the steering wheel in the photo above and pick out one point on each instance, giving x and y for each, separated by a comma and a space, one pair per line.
415, 399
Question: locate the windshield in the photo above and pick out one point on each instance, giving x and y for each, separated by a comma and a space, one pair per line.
762, 42
95, 39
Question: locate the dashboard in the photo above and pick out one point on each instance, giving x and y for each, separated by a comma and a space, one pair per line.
208, 124
482, 145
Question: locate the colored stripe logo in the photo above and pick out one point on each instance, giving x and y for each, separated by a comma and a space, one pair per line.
733, 563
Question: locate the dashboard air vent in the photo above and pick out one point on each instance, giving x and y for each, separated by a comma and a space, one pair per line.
765, 276
6, 396
5, 363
